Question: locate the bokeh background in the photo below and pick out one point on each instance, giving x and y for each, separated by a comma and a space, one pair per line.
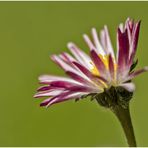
29, 33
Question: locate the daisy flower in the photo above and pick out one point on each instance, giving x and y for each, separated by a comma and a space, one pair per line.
103, 75
97, 73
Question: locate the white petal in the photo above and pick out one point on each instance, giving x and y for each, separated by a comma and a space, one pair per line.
88, 42
99, 47
48, 93
121, 26
50, 78
109, 45
81, 56
60, 62
128, 86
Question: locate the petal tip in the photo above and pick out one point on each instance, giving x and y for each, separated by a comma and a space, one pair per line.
93, 29
146, 68
69, 44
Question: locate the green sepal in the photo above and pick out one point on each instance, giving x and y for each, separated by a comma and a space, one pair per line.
133, 65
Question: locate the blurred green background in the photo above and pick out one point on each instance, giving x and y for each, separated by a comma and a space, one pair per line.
29, 33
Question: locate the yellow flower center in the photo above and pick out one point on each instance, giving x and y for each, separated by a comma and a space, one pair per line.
104, 59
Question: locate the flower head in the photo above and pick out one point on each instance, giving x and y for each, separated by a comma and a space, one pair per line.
101, 73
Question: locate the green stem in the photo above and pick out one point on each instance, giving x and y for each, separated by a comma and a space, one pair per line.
123, 115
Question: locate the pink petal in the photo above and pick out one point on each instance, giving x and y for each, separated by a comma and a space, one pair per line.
123, 52
136, 73
83, 70
78, 78
64, 97
62, 84
46, 101
92, 77
111, 67
80, 89
44, 88
134, 42
98, 62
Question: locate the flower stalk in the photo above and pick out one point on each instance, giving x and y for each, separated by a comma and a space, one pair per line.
117, 100
123, 115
